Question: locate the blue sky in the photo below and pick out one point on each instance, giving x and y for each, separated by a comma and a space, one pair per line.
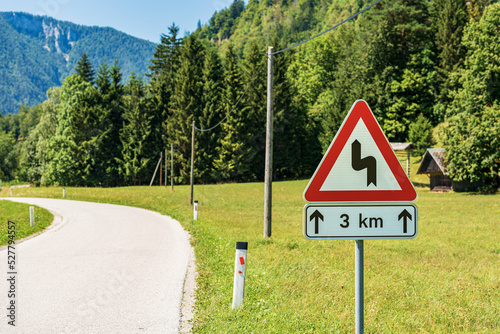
141, 18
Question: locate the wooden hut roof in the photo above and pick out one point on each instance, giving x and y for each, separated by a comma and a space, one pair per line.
433, 162
402, 146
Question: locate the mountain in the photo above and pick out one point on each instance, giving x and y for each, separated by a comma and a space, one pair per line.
38, 52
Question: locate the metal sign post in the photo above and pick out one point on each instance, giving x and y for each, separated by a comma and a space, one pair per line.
360, 191
359, 289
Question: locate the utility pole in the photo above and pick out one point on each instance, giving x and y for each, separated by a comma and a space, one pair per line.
268, 178
172, 166
192, 164
161, 167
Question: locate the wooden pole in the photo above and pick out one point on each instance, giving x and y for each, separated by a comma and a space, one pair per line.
408, 162
172, 166
268, 178
156, 169
192, 164
161, 168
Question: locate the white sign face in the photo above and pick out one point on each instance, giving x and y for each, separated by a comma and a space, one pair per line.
359, 165
360, 221
342, 176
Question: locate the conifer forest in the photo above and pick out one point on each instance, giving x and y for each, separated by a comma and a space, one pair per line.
430, 71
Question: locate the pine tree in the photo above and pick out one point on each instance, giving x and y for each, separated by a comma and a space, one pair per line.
111, 94
165, 59
450, 18
230, 151
84, 69
186, 104
164, 68
103, 80
396, 32
289, 152
212, 115
136, 134
73, 151
420, 135
254, 114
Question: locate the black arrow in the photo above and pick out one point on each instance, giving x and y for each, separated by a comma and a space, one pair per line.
368, 162
405, 215
316, 216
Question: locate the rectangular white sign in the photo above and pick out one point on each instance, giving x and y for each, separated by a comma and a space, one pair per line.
360, 221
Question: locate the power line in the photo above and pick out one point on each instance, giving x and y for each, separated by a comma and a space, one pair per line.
213, 127
283, 50
324, 32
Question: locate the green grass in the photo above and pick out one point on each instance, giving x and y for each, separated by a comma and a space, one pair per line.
446, 280
19, 213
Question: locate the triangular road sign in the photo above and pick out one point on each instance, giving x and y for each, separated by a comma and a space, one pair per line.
359, 165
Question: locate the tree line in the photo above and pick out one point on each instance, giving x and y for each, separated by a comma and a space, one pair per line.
95, 130
427, 69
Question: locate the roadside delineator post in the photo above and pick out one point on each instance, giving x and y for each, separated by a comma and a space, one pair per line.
11, 192
239, 274
64, 192
195, 213
32, 216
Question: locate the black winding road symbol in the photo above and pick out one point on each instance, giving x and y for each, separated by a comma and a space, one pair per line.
370, 163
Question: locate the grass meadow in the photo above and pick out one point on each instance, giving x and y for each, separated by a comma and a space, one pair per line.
19, 213
446, 280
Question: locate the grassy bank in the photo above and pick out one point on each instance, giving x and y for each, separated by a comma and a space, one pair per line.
19, 213
446, 280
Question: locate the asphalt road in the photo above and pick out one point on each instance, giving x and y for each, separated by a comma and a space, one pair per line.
101, 269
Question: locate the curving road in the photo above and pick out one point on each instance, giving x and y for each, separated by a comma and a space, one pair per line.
100, 269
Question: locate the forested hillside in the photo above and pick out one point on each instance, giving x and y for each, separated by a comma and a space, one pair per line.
38, 52
428, 69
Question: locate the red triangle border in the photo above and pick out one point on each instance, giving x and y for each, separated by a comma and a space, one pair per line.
359, 110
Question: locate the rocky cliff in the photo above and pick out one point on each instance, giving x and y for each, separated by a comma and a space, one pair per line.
38, 52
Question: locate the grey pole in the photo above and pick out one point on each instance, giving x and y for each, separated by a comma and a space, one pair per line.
172, 166
161, 167
166, 168
359, 287
268, 178
192, 164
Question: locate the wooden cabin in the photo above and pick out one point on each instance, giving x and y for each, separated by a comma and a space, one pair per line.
434, 165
